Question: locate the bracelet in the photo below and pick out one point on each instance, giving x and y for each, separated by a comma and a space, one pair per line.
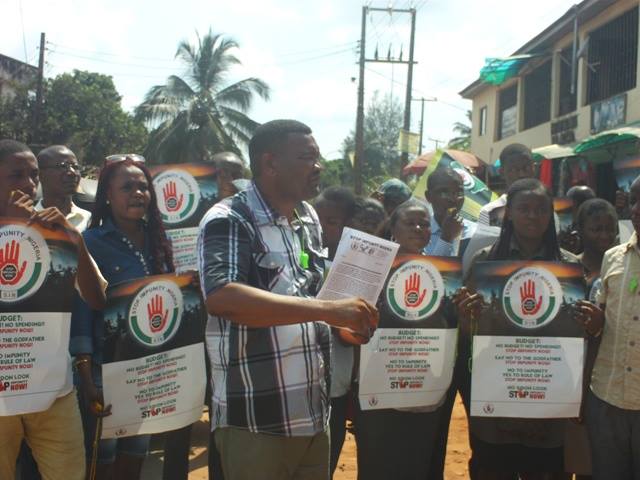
598, 333
80, 362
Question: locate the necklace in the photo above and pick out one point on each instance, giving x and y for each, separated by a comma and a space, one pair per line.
138, 254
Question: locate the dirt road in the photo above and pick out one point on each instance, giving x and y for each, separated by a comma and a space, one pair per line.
456, 464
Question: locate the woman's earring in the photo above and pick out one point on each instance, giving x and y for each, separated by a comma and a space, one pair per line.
108, 202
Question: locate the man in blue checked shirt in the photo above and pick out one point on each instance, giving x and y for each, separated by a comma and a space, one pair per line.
260, 259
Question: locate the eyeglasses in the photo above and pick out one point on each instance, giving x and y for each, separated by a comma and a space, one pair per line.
448, 195
120, 157
65, 165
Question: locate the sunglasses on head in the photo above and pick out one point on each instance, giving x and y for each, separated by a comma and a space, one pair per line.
120, 157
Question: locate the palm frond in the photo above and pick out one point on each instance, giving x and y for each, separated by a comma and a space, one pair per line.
216, 63
186, 52
240, 94
164, 102
199, 111
239, 120
239, 135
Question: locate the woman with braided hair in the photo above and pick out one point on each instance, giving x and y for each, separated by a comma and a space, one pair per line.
127, 241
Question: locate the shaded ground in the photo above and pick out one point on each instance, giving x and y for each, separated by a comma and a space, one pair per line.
456, 464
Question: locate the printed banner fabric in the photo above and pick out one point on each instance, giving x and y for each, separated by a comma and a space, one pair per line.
476, 193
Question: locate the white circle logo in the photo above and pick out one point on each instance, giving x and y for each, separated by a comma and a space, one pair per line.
531, 297
156, 313
24, 262
467, 180
178, 195
415, 290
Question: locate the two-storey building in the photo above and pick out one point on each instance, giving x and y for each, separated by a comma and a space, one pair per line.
536, 104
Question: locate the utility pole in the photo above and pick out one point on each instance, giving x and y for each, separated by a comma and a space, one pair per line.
358, 158
437, 142
358, 161
404, 159
574, 51
422, 100
37, 114
421, 125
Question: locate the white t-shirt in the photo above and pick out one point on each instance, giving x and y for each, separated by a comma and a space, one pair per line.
78, 217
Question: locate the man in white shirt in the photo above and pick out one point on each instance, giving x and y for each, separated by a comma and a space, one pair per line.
516, 162
59, 177
229, 169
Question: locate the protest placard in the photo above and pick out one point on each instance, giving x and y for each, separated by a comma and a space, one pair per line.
37, 275
563, 207
409, 361
528, 350
153, 370
185, 192
626, 170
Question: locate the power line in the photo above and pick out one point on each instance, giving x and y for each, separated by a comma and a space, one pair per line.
416, 90
448, 79
79, 51
108, 54
295, 62
351, 44
173, 69
111, 62
160, 78
421, 4
465, 110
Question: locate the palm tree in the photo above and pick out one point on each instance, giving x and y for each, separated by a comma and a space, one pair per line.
199, 113
463, 139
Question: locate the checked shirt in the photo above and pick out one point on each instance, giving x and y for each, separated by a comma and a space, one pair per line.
272, 380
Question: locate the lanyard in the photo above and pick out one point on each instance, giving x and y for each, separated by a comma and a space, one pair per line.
304, 256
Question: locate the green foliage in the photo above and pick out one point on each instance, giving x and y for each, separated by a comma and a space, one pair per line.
463, 139
15, 115
336, 172
382, 124
81, 110
199, 113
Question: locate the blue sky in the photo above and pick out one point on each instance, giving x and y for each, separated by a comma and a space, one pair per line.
305, 50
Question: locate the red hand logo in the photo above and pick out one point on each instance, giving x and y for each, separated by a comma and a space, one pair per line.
171, 200
528, 298
10, 273
157, 319
412, 295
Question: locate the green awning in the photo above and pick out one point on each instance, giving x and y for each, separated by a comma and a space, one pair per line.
552, 152
496, 71
609, 137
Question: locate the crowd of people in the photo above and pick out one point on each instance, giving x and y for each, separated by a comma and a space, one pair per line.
282, 384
